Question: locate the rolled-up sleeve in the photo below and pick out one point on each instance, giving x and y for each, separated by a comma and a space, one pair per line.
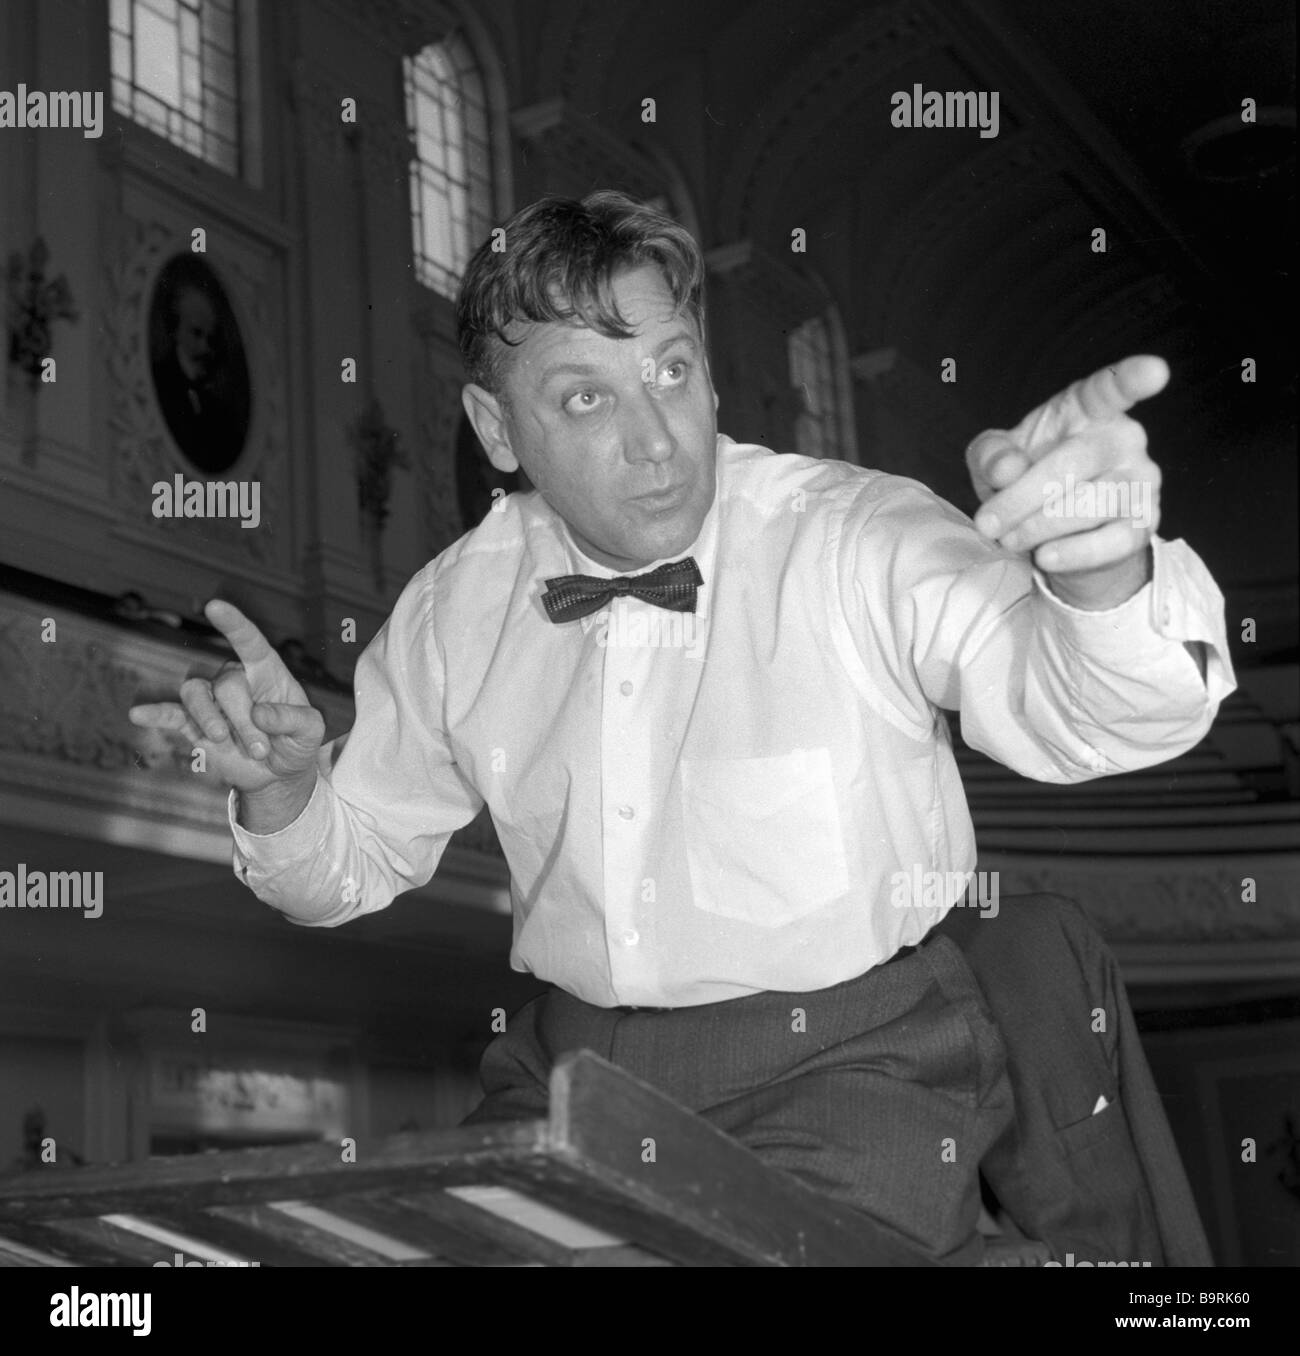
1054, 692
389, 794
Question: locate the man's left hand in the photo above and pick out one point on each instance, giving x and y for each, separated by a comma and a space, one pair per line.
1073, 486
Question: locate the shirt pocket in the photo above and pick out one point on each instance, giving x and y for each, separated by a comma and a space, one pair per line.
762, 836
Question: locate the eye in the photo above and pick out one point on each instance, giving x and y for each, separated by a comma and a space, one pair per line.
582, 402
675, 373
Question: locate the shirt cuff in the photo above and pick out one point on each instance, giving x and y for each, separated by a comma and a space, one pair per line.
301, 838
1180, 603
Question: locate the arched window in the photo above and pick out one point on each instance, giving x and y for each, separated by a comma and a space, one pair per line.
451, 175
818, 373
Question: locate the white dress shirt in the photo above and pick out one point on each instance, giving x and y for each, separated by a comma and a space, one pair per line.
700, 806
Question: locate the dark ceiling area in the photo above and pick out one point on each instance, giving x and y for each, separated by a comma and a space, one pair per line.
1167, 78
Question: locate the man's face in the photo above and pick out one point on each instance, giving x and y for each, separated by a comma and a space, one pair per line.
619, 436
196, 324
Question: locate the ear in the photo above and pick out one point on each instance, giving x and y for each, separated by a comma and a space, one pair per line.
484, 412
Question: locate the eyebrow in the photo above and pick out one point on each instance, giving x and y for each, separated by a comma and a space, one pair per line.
590, 369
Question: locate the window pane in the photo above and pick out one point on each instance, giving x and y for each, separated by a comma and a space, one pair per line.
120, 56
189, 31
175, 70
155, 57
152, 110
451, 196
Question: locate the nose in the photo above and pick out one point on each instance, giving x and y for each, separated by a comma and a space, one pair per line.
646, 435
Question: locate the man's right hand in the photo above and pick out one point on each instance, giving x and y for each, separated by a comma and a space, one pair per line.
258, 731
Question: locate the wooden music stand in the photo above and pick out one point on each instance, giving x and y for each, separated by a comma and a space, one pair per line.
617, 1175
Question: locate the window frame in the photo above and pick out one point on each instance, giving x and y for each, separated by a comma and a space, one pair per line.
475, 151
835, 425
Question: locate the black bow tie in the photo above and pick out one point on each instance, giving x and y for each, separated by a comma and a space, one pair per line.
570, 596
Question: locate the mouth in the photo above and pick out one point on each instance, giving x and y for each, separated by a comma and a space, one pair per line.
669, 498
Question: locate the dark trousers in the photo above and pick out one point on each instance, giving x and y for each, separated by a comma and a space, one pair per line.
885, 1091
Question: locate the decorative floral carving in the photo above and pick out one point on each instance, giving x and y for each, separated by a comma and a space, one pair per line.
69, 701
35, 302
377, 450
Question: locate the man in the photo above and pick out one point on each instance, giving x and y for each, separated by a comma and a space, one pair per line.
705, 812
188, 380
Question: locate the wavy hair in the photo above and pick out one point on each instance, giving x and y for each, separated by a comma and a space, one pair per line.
559, 259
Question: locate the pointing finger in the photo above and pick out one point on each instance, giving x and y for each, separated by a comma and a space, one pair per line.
1113, 390
249, 643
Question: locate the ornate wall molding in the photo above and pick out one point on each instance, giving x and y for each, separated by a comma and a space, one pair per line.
66, 700
141, 449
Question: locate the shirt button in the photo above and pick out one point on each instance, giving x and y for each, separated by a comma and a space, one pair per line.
625, 689
631, 937
625, 812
